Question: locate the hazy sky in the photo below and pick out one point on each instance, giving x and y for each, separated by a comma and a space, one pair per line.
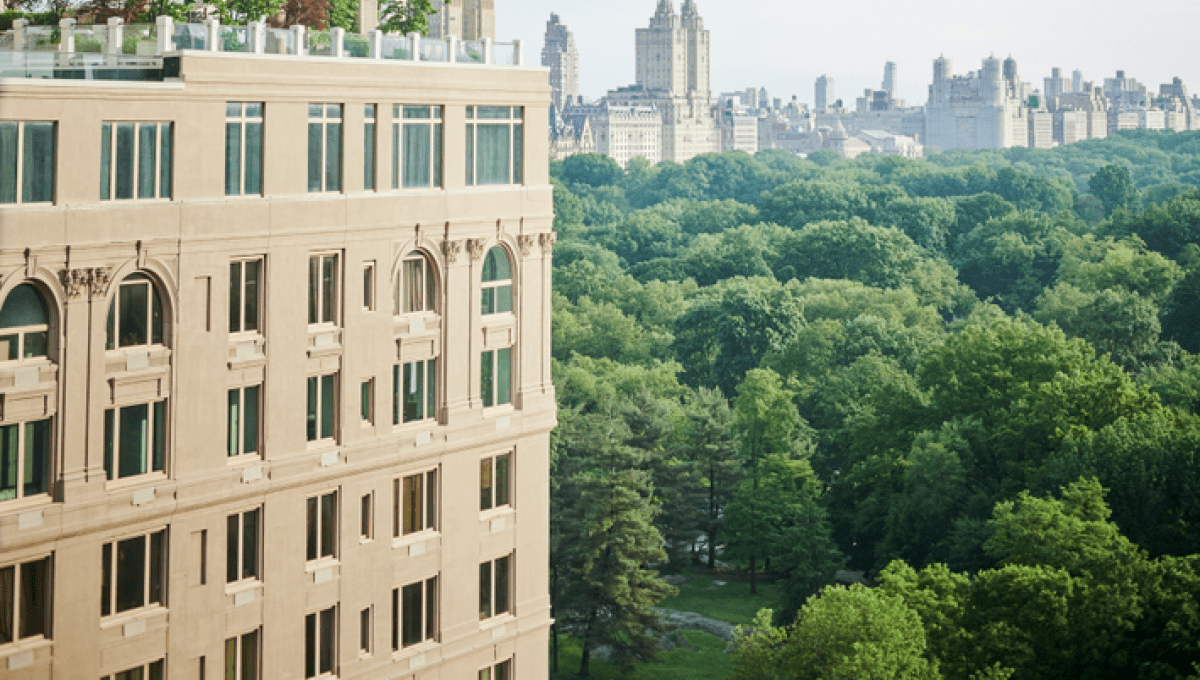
785, 45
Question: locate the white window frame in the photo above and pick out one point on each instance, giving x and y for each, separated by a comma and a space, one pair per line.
164, 172
323, 304
110, 550
489, 465
430, 590
429, 506
235, 442
238, 544
239, 307
315, 620
316, 408
21, 470
243, 118
19, 188
315, 552
17, 600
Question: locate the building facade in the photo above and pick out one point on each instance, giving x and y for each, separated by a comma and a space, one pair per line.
276, 400
463, 19
561, 57
824, 95
981, 110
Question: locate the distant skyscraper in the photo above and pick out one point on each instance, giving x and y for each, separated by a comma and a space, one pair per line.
1056, 85
1077, 81
824, 96
560, 55
463, 19
889, 78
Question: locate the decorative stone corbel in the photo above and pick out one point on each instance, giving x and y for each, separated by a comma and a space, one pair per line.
99, 279
92, 280
547, 241
452, 250
525, 244
477, 247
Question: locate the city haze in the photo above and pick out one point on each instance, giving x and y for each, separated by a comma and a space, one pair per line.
785, 46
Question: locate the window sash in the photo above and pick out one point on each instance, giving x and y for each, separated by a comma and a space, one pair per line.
134, 439
136, 160
322, 289
414, 613
419, 390
242, 546
322, 407
415, 497
322, 526
244, 295
242, 424
25, 600
320, 631
25, 455
241, 660
134, 573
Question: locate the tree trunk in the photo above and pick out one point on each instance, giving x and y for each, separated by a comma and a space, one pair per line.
753, 583
554, 648
712, 518
584, 672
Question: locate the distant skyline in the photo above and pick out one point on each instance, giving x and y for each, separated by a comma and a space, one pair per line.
784, 45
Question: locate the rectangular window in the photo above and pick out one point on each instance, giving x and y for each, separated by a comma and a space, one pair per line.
27, 155
501, 671
135, 439
155, 670
320, 643
245, 290
495, 582
243, 426
369, 147
494, 481
24, 459
134, 573
495, 383
369, 287
415, 501
242, 657
322, 407
366, 401
364, 631
243, 148
414, 613
135, 160
416, 146
367, 517
242, 545
322, 526
495, 145
324, 147
25, 600
323, 289
414, 391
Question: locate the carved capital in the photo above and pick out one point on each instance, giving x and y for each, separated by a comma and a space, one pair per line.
452, 250
547, 241
525, 244
476, 247
91, 280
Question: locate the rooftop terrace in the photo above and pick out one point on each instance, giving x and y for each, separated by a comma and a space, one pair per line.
115, 51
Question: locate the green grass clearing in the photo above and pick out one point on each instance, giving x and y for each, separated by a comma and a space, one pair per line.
731, 602
710, 663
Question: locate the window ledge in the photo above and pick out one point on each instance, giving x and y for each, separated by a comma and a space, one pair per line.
16, 647
132, 616
405, 653
136, 482
496, 621
321, 564
496, 411
14, 506
496, 513
246, 585
407, 540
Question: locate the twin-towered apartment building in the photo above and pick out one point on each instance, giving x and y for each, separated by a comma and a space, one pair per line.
275, 392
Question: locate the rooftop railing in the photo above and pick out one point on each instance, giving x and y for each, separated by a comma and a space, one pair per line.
67, 50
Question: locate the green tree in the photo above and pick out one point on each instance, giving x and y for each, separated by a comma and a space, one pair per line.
406, 16
591, 169
1113, 185
708, 441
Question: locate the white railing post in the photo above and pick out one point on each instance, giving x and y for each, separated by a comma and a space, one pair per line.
213, 28
116, 35
451, 48
298, 31
414, 40
375, 38
488, 57
258, 37
18, 29
67, 28
518, 53
166, 34
337, 35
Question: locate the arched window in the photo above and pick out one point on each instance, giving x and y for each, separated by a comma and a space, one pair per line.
24, 324
417, 284
497, 282
135, 317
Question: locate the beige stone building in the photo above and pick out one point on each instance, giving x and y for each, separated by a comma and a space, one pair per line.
275, 393
463, 19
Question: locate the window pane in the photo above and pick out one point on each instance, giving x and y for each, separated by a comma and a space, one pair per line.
364, 630
504, 376
431, 608
485, 484
312, 528
502, 669
333, 157
250, 533
231, 649
327, 643
396, 392
411, 608
250, 319
38, 181
417, 160
124, 169
329, 289
312, 409
235, 297
250, 656
168, 144
35, 344
502, 583
368, 286
232, 542
7, 604
250, 420
110, 328
364, 401
502, 480
156, 316
488, 301
131, 573
9, 460
492, 154
106, 580
160, 435
314, 288
37, 458
431, 499
470, 154
35, 597
233, 159
8, 161
369, 157
504, 298
328, 524
518, 155
109, 443
437, 154
414, 391
156, 670
147, 159
254, 158
485, 590
158, 564
430, 388
327, 399
233, 433
133, 314
395, 618
487, 378
310, 646
134, 434
316, 158
412, 504
413, 285
105, 160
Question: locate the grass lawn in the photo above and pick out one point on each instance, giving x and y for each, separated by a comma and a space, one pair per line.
731, 602
710, 663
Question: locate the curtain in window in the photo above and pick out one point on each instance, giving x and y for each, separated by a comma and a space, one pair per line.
7, 595
125, 158
147, 156
8, 162
37, 457
134, 430
9, 450
166, 141
504, 376
233, 159
38, 181
333, 157
316, 148
254, 161
492, 155
413, 285
417, 157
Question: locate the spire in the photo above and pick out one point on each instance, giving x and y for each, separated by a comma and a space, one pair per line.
664, 9
688, 9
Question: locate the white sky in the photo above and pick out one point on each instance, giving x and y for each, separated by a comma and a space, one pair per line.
786, 44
